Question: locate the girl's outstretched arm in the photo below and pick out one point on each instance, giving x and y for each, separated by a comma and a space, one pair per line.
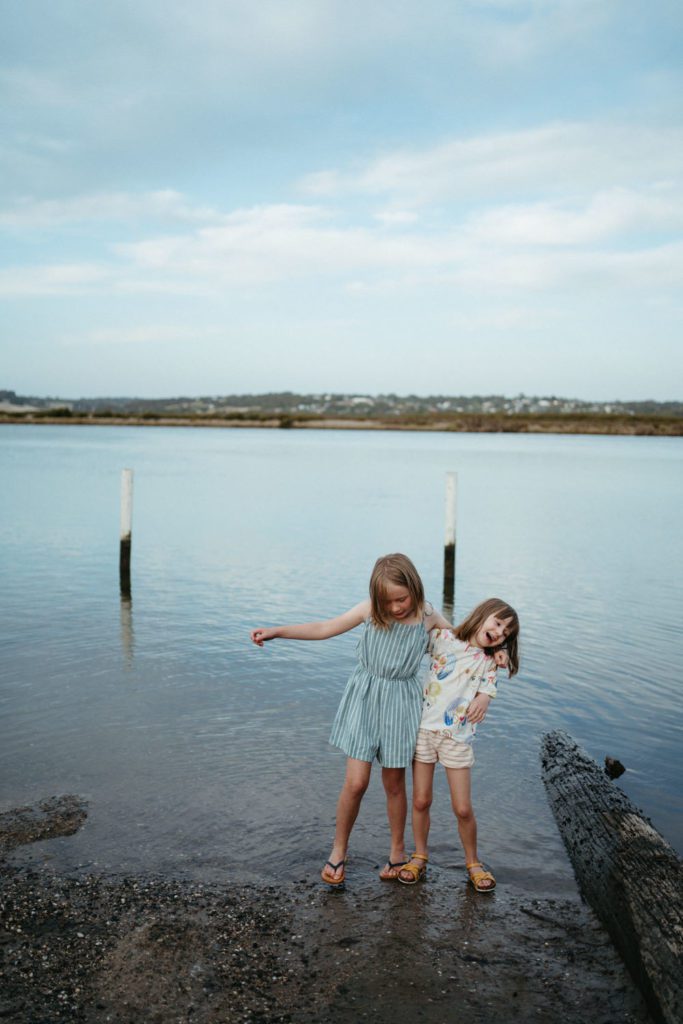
314, 630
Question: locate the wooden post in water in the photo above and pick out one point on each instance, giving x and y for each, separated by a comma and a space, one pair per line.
449, 545
127, 639
126, 530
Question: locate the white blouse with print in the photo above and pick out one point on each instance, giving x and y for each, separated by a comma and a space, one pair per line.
458, 671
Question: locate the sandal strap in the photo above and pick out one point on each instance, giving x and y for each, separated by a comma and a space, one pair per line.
420, 856
334, 866
483, 875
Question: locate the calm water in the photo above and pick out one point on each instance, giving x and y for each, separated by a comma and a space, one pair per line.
201, 754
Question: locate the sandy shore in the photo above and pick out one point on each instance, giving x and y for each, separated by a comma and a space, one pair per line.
88, 948
642, 426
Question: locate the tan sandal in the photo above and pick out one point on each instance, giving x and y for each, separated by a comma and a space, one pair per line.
477, 877
417, 871
327, 873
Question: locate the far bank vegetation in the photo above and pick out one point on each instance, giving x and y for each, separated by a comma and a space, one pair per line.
288, 410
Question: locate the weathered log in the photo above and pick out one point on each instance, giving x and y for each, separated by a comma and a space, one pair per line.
626, 870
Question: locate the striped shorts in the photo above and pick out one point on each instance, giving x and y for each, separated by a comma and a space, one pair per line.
435, 746
378, 718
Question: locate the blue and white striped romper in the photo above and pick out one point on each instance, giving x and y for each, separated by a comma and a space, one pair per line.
379, 714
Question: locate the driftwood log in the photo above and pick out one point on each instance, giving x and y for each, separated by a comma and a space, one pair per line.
626, 870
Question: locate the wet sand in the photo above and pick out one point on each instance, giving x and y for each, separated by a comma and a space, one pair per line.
89, 948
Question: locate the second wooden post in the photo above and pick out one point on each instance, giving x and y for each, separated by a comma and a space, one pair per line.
449, 544
126, 530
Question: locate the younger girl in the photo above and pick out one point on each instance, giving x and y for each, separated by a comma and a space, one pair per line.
461, 684
379, 713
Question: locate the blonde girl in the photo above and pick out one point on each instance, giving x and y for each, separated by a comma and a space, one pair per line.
459, 689
379, 713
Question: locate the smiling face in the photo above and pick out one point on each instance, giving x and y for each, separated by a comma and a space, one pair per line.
490, 624
493, 631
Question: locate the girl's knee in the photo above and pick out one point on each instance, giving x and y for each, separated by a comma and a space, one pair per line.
356, 788
394, 787
422, 802
394, 781
463, 810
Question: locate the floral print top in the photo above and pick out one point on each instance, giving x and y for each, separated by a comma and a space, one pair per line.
458, 671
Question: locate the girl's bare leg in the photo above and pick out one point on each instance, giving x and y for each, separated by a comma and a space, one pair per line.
459, 782
423, 783
348, 805
394, 782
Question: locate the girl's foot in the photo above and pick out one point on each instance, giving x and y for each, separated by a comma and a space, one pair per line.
414, 870
333, 871
480, 877
389, 872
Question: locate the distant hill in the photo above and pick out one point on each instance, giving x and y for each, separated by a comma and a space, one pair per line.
330, 404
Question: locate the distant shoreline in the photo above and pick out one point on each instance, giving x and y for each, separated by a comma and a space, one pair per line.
489, 423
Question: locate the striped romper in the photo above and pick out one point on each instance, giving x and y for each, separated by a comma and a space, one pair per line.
379, 714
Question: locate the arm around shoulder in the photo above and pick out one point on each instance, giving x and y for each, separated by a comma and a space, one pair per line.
434, 619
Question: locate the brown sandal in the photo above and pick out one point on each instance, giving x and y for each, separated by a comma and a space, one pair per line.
418, 871
477, 877
328, 875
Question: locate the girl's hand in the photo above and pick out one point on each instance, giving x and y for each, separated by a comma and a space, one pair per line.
501, 658
476, 712
261, 634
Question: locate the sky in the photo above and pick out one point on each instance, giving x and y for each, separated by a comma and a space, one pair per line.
433, 197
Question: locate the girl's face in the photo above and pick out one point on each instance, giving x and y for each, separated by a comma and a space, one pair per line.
397, 601
492, 632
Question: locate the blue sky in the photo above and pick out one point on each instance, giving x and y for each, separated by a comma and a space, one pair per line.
226, 196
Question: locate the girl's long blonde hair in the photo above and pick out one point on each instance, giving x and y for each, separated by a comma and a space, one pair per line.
470, 626
399, 570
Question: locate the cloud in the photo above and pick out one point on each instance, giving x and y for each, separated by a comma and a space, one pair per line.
54, 279
530, 247
284, 242
606, 216
558, 158
518, 31
149, 334
503, 318
164, 204
643, 271
396, 218
553, 207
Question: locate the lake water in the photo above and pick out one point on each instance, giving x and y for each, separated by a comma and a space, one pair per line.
202, 755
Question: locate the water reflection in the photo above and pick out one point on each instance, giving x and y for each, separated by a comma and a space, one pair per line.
127, 632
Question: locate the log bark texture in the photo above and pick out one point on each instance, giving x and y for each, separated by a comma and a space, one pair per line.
626, 870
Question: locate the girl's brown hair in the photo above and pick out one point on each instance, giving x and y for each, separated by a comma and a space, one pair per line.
470, 626
399, 570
